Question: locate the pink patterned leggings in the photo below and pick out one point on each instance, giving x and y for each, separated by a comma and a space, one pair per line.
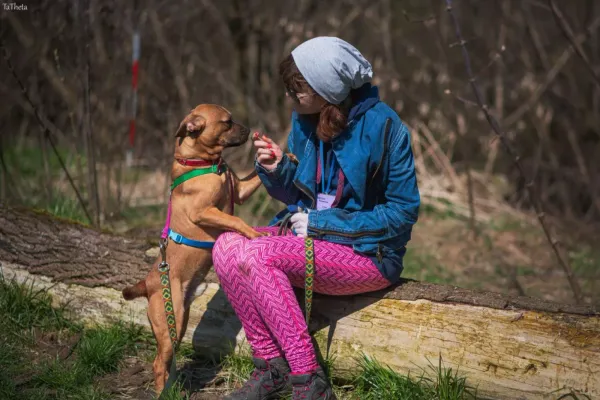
257, 277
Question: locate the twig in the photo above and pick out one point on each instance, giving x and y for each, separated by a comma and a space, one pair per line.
48, 184
172, 61
87, 116
568, 32
498, 91
504, 140
419, 158
438, 156
466, 102
8, 180
462, 133
550, 76
496, 56
534, 36
541, 125
410, 19
580, 160
45, 129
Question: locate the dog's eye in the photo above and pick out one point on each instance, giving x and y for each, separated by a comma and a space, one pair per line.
229, 124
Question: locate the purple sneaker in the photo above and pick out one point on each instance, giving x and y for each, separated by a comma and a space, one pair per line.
269, 380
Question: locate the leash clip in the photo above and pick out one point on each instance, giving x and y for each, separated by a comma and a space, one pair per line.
164, 265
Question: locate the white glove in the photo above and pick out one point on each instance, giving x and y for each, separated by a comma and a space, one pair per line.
300, 223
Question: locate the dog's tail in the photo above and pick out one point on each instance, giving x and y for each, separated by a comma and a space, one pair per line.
135, 291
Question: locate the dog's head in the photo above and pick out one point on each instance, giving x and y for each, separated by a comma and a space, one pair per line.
210, 128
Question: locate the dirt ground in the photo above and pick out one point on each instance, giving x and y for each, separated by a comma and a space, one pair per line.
135, 380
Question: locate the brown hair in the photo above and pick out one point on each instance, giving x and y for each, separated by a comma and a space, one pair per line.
333, 118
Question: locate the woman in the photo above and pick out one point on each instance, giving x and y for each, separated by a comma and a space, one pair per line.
356, 192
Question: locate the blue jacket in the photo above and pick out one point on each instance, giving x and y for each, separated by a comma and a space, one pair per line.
380, 198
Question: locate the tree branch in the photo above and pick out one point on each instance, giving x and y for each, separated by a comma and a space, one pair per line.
552, 74
504, 140
568, 32
45, 130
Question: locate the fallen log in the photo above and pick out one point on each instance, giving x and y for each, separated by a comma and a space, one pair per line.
509, 347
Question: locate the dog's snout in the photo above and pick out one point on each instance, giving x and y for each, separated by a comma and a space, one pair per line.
236, 136
244, 130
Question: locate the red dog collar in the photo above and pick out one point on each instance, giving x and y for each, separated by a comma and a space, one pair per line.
197, 163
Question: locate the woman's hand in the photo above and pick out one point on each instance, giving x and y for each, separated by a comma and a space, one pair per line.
268, 153
300, 224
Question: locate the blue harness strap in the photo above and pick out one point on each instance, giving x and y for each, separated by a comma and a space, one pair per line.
180, 239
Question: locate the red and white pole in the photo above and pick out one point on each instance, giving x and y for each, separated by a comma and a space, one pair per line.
134, 85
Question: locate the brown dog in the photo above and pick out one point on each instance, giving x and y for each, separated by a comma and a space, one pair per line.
201, 210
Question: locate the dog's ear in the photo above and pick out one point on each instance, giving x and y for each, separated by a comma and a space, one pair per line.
191, 124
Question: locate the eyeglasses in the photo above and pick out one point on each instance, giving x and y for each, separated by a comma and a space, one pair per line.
295, 96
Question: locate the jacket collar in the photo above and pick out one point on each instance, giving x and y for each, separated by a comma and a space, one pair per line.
364, 98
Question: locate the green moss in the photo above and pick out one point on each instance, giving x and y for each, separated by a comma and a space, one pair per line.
422, 266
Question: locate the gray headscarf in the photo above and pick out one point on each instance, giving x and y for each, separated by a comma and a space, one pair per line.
332, 67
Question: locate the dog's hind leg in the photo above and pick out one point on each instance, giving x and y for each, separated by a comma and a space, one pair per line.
156, 314
158, 322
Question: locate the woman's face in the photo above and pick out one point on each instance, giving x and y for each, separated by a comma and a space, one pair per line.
306, 103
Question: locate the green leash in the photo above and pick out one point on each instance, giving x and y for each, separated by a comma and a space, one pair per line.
309, 275
309, 257
163, 269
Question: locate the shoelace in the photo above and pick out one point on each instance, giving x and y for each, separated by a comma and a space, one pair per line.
257, 374
301, 390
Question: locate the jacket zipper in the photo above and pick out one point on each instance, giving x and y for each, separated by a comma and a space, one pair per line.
352, 235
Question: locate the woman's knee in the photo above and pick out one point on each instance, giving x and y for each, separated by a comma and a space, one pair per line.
257, 257
227, 252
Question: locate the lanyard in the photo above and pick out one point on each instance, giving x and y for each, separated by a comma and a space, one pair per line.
325, 187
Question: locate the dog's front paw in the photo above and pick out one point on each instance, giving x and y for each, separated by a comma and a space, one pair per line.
252, 234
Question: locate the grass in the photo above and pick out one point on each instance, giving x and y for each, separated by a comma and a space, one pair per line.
57, 375
378, 382
237, 366
586, 266
447, 384
101, 349
440, 214
64, 207
10, 356
27, 372
175, 393
373, 381
585, 262
25, 160
424, 266
23, 307
140, 215
25, 164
